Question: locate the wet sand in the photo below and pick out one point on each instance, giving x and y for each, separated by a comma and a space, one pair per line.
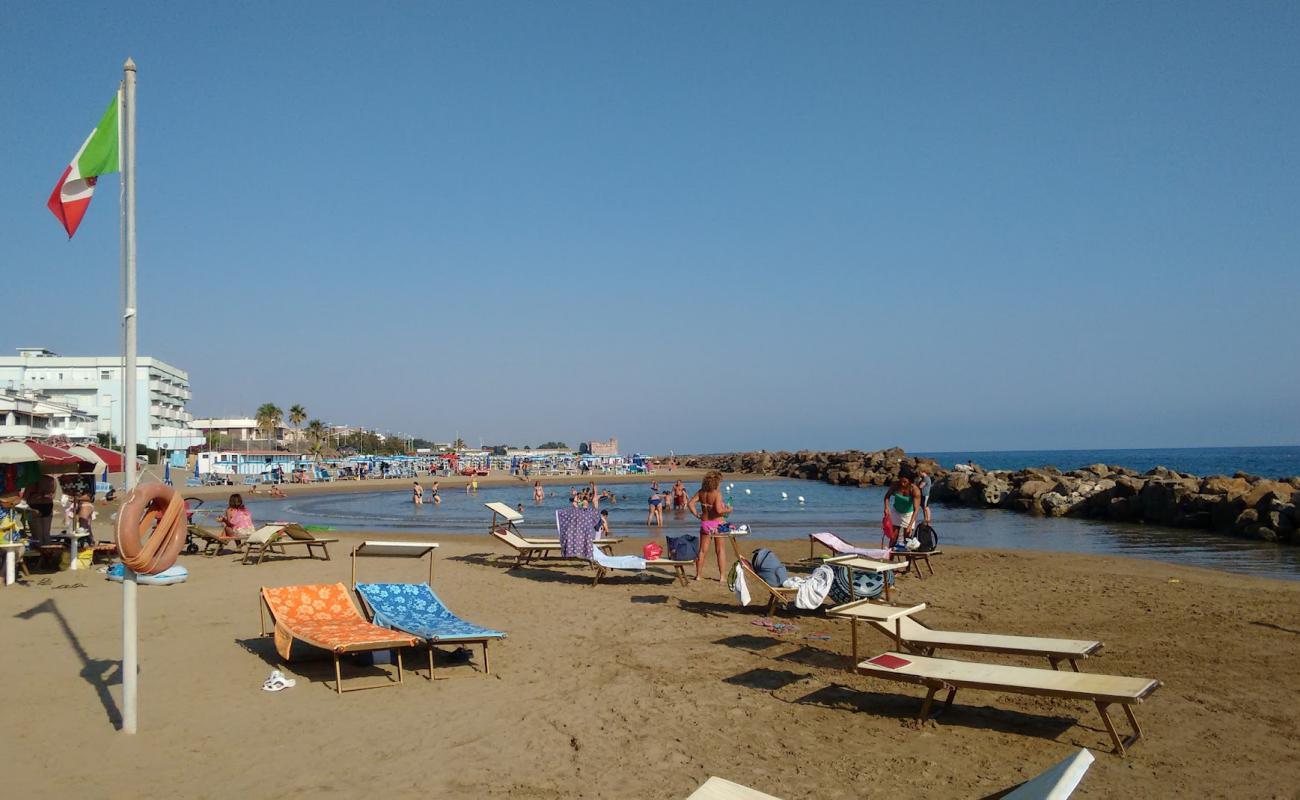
643, 688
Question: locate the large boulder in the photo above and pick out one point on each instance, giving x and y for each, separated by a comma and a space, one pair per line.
1221, 484
1161, 499
1264, 492
1033, 488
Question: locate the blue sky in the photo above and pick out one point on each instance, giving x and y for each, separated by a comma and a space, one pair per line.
696, 226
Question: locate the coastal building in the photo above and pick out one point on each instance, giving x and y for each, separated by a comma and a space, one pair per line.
26, 415
598, 448
92, 385
237, 432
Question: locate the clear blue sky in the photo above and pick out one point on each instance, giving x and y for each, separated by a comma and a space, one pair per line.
698, 226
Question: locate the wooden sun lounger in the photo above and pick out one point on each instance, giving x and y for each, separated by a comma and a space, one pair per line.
941, 673
526, 550
213, 541
679, 566
325, 616
925, 641
778, 596
274, 538
716, 788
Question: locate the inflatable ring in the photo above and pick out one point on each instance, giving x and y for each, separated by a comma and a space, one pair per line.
151, 528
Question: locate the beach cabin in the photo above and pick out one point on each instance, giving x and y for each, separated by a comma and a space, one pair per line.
232, 463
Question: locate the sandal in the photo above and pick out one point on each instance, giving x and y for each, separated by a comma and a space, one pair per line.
277, 682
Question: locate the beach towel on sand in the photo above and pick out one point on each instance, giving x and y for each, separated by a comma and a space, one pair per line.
577, 528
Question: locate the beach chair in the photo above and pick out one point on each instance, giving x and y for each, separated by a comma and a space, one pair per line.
274, 538
941, 673
716, 788
917, 638
324, 615
604, 563
525, 550
416, 609
839, 547
508, 517
213, 541
1057, 782
779, 597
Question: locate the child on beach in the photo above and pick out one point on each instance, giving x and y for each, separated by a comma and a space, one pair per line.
85, 514
236, 521
602, 527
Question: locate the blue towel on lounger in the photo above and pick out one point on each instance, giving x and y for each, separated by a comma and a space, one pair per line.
617, 562
415, 609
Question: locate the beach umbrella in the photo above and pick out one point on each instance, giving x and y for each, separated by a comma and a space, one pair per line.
115, 461
52, 460
89, 455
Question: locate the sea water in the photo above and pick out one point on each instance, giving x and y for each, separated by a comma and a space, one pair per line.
773, 510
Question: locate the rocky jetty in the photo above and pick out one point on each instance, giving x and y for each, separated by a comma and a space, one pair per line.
1242, 505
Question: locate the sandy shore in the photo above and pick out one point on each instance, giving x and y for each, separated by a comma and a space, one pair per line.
643, 688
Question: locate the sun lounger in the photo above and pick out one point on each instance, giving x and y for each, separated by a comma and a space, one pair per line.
941, 673
1057, 782
325, 616
926, 641
718, 789
507, 515
839, 547
779, 597
414, 608
213, 541
274, 538
603, 563
526, 551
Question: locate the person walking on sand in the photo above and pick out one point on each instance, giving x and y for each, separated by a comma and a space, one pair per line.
417, 493
711, 510
906, 499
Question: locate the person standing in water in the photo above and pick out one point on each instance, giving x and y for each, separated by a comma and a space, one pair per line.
708, 506
417, 494
538, 494
679, 496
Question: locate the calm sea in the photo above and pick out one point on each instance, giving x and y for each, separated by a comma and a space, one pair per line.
774, 510
1268, 462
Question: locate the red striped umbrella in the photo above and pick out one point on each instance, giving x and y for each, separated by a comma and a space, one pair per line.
52, 460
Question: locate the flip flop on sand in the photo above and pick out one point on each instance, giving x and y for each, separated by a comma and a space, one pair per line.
277, 682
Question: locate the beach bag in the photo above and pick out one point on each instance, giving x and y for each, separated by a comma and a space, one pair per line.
683, 548
927, 538
768, 567
865, 584
887, 530
652, 551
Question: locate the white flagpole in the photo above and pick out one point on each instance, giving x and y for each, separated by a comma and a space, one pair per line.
126, 141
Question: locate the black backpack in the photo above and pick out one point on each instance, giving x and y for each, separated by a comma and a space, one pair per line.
928, 537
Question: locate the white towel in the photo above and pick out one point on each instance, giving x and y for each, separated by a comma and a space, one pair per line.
742, 591
814, 590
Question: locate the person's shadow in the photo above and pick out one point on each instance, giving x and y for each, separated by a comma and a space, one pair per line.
100, 673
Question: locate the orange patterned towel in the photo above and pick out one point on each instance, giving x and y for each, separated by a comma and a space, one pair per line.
323, 614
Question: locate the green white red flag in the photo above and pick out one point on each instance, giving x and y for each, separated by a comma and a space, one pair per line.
97, 156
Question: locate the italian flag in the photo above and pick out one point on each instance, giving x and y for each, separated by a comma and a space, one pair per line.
97, 156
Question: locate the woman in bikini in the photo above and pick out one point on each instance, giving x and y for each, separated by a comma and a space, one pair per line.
538, 494
708, 506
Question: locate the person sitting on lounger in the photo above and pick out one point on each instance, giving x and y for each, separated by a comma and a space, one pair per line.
237, 522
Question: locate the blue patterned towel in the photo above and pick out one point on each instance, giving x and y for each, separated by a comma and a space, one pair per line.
577, 527
415, 609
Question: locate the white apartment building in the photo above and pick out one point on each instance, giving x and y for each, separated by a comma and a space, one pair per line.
93, 385
24, 415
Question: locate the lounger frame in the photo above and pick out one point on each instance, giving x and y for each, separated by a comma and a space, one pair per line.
291, 534
395, 645
679, 566
1102, 701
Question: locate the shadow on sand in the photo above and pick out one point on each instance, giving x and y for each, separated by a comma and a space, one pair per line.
100, 673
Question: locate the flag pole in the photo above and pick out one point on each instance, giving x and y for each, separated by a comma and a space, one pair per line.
127, 139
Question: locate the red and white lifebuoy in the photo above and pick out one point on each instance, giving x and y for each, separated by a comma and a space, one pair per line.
151, 528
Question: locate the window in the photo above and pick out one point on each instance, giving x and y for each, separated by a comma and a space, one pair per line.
105, 374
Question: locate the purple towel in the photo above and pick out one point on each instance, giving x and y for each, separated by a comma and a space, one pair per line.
577, 528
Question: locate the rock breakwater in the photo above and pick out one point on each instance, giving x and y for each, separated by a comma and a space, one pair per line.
1241, 505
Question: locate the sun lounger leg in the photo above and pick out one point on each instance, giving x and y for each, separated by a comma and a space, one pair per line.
487, 669
430, 660
947, 701
338, 675
1075, 666
929, 699
399, 665
1110, 728
599, 572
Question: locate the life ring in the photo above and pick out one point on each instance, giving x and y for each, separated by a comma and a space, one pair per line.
150, 529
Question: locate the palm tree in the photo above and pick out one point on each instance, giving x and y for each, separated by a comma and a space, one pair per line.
268, 419
296, 416
316, 433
